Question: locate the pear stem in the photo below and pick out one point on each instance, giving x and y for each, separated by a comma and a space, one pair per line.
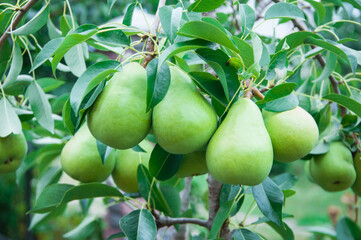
356, 209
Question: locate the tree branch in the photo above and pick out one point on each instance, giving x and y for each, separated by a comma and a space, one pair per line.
152, 38
214, 188
168, 221
16, 21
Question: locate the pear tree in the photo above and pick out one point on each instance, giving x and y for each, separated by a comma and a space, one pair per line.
224, 94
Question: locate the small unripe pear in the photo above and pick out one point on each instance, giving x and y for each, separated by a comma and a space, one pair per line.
356, 187
193, 164
13, 150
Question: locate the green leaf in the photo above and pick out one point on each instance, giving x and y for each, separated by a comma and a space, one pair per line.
78, 36
75, 59
37, 22
346, 229
206, 31
269, 198
59, 194
324, 231
285, 181
205, 5
245, 234
158, 81
40, 106
103, 150
116, 235
113, 37
52, 30
345, 101
246, 51
284, 10
229, 192
163, 165
296, 39
321, 148
277, 92
15, 67
69, 117
170, 19
48, 84
83, 230
355, 3
284, 230
39, 219
328, 69
227, 74
282, 104
257, 47
128, 17
10, 122
210, 84
247, 16
89, 80
138, 148
171, 196
110, 4
320, 10
139, 225
52, 175
45, 53
182, 47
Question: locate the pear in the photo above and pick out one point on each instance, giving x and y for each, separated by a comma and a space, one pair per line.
356, 187
294, 133
183, 121
81, 160
13, 150
240, 152
118, 118
126, 166
334, 170
193, 164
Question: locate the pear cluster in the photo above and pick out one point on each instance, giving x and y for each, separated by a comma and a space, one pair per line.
241, 150
13, 150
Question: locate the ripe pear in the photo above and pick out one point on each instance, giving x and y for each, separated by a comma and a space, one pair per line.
240, 152
193, 164
294, 133
118, 117
126, 166
13, 150
183, 121
81, 160
356, 187
334, 170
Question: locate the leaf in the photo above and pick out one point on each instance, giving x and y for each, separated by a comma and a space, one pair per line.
294, 40
210, 84
321, 148
284, 10
74, 58
285, 181
324, 231
15, 67
229, 192
138, 148
158, 81
346, 229
52, 30
103, 150
206, 31
59, 194
83, 230
139, 225
40, 219
37, 22
205, 5
245, 234
10, 122
346, 102
246, 51
269, 198
328, 69
163, 165
227, 74
282, 104
48, 84
116, 235
257, 47
221, 216
51, 176
40, 106
128, 17
114, 37
89, 80
284, 230
170, 19
110, 4
247, 16
320, 10
45, 53
277, 92
171, 196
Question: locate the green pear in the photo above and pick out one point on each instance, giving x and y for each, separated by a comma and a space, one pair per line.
356, 187
294, 133
240, 152
193, 164
183, 122
126, 166
118, 118
307, 171
13, 150
81, 160
334, 170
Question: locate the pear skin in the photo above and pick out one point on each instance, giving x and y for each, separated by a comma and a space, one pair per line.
356, 187
118, 118
126, 166
294, 133
240, 152
80, 158
193, 164
183, 122
334, 170
13, 150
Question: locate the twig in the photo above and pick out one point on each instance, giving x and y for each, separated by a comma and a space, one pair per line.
257, 93
164, 221
356, 209
16, 21
214, 188
153, 32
